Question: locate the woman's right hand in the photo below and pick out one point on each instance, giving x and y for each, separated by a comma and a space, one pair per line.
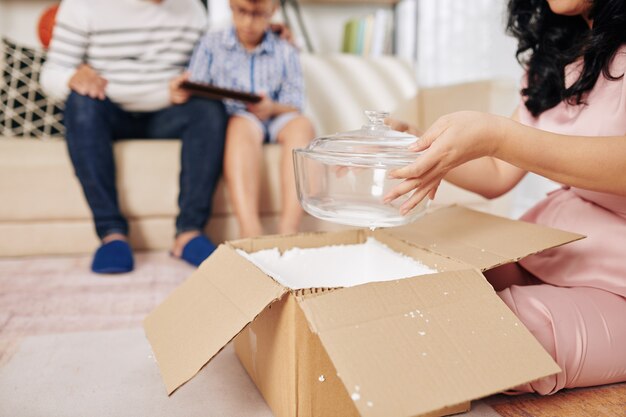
451, 141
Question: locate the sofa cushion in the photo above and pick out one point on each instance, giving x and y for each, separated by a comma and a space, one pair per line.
24, 109
37, 178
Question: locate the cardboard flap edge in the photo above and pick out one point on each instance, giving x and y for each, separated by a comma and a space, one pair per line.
209, 309
480, 239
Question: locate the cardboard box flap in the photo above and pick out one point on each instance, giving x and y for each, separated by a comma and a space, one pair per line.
207, 311
417, 345
479, 239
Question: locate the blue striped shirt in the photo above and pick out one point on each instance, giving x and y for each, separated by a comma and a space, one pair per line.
273, 68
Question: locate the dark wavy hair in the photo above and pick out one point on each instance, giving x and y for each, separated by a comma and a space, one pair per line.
547, 42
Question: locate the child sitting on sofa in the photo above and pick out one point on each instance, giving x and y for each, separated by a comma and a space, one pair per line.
248, 56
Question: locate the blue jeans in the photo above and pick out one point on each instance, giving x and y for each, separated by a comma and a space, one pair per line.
93, 125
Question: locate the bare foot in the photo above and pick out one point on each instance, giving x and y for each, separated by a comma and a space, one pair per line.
181, 240
114, 236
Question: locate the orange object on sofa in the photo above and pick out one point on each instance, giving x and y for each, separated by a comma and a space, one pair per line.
46, 24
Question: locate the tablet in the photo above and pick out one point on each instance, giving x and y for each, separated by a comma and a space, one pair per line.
218, 93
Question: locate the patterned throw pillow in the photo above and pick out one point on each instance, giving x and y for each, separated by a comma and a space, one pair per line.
24, 109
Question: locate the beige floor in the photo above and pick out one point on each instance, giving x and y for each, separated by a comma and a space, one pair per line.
113, 373
66, 330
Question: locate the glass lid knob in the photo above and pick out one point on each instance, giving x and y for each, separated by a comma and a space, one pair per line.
376, 119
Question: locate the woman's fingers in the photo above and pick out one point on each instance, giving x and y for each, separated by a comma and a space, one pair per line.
423, 163
418, 196
429, 180
433, 133
401, 189
433, 192
341, 171
395, 124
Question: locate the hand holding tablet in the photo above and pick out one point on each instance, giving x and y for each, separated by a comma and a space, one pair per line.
218, 93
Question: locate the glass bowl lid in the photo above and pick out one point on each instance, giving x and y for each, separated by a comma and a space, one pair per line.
375, 144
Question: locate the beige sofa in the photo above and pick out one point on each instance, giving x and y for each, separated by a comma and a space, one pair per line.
43, 211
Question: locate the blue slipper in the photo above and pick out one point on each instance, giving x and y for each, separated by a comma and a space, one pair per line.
114, 257
197, 250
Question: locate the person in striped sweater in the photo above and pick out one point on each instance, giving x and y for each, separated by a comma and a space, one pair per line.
118, 65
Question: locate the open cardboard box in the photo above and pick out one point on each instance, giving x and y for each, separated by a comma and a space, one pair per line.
426, 345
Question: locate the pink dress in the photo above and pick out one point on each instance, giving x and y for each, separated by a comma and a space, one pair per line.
576, 308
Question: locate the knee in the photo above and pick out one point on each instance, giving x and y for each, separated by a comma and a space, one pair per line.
82, 110
208, 110
527, 303
302, 124
530, 306
244, 131
298, 132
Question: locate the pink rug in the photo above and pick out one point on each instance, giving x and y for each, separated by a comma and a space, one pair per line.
54, 295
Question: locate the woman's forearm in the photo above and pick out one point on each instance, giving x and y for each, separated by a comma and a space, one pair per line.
593, 163
486, 176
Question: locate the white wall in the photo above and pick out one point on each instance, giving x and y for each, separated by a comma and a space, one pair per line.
19, 18
461, 40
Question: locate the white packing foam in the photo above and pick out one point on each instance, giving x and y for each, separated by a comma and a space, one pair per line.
337, 265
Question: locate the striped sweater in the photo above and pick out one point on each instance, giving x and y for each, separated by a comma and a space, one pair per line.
138, 46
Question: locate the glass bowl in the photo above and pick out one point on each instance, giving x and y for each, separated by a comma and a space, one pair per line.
343, 178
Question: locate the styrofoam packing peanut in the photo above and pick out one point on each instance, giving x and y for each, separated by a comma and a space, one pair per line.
336, 265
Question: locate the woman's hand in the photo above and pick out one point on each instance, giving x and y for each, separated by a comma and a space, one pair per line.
451, 141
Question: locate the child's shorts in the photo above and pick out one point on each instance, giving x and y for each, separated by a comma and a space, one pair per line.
271, 127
